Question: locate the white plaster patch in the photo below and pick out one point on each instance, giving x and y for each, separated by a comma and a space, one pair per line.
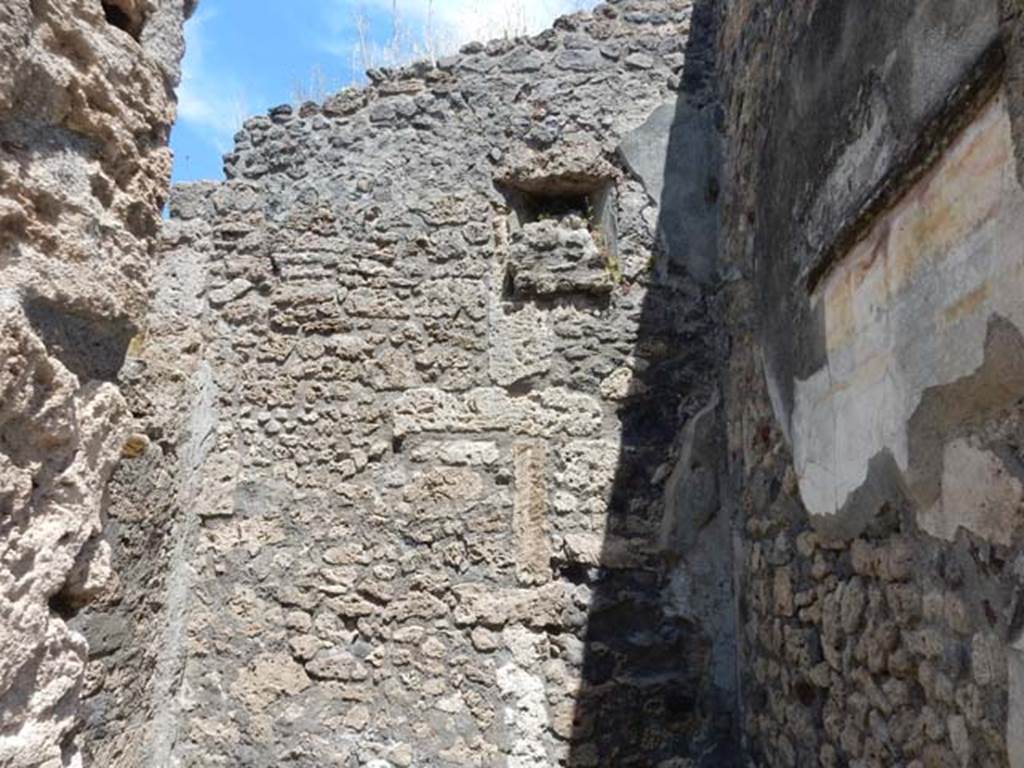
978, 493
526, 712
909, 308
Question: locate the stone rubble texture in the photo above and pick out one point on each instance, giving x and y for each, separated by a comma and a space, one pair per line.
449, 361
86, 107
878, 603
643, 393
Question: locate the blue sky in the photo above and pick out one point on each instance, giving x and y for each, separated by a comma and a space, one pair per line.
244, 56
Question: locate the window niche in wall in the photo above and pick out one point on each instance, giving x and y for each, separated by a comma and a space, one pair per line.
563, 237
553, 206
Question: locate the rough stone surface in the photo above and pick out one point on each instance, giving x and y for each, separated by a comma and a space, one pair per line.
450, 358
644, 393
85, 111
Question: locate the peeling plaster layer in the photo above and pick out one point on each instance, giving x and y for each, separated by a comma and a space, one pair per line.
908, 310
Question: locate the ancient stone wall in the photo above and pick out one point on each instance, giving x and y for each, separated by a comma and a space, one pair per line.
644, 393
135, 641
86, 104
438, 503
870, 222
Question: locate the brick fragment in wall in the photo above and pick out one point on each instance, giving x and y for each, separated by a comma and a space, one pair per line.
530, 513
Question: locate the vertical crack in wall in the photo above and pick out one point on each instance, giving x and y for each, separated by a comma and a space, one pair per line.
170, 692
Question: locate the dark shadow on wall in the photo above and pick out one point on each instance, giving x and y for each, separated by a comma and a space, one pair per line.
659, 667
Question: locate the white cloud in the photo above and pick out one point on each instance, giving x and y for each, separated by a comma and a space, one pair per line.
441, 26
478, 20
212, 103
213, 100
